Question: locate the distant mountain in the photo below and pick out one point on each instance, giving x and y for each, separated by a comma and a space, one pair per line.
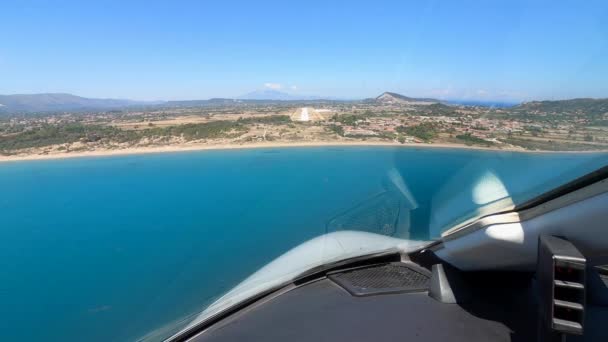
196, 103
393, 98
53, 102
593, 107
270, 94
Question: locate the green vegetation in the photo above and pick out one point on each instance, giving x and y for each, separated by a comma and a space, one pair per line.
593, 111
11, 128
214, 129
549, 145
336, 129
590, 107
579, 124
533, 129
599, 122
387, 136
45, 135
269, 120
480, 128
438, 109
348, 119
425, 131
469, 139
19, 137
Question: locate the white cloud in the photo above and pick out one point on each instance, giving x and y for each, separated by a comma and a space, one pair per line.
293, 87
274, 86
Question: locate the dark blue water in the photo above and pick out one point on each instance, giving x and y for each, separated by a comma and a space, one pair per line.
108, 249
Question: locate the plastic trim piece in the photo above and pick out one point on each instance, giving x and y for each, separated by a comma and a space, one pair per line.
440, 288
447, 286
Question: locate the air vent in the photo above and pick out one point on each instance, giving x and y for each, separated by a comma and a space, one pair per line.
561, 280
394, 277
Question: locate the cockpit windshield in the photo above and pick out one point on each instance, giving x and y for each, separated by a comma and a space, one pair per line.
162, 162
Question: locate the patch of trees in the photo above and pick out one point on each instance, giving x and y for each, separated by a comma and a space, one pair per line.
551, 145
438, 109
350, 119
269, 120
469, 139
67, 133
425, 131
336, 129
45, 135
209, 130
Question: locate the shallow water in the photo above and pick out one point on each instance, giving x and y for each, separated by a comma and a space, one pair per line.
113, 247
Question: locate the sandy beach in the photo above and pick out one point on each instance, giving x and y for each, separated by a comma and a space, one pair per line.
207, 146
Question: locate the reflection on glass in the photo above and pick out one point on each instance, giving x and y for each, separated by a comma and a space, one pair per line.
386, 213
489, 188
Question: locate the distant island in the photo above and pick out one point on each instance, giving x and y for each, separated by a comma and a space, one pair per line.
60, 125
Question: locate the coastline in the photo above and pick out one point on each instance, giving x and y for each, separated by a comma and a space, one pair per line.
257, 145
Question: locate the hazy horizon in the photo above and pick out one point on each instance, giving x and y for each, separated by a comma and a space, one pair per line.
186, 50
312, 98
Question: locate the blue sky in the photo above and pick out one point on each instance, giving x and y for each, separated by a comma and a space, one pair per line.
483, 50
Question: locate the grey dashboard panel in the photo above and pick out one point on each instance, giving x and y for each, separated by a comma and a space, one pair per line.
323, 311
503, 306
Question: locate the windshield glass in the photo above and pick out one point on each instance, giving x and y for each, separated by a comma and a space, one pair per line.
160, 163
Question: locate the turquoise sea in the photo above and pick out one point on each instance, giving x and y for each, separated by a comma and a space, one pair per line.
111, 248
